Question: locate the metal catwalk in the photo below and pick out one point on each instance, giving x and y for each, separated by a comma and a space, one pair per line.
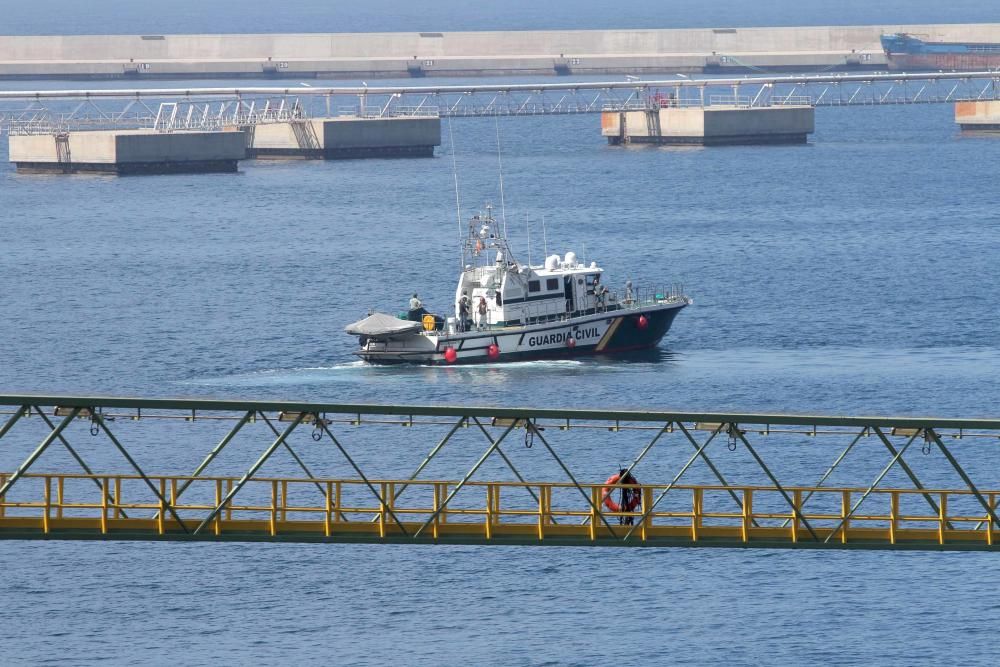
168, 109
312, 472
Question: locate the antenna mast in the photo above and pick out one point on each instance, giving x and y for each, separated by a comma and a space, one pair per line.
545, 239
503, 207
528, 227
458, 203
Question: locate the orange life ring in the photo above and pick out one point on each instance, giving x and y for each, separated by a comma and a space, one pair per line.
634, 499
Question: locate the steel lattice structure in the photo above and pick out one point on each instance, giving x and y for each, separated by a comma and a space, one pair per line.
168, 109
708, 479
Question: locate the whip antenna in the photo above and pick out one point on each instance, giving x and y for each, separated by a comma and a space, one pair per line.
458, 202
503, 208
545, 240
528, 227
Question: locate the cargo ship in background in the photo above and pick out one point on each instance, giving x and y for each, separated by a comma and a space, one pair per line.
907, 52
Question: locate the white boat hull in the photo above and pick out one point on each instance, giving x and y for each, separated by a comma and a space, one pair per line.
610, 332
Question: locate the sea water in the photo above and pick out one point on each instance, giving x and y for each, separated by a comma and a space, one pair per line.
856, 274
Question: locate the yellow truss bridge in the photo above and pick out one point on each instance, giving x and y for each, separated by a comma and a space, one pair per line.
496, 518
693, 501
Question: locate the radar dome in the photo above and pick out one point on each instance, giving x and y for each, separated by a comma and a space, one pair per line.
570, 259
552, 262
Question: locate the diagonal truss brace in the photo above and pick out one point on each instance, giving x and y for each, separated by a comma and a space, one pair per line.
13, 419
734, 429
638, 459
326, 429
719, 476
590, 501
212, 455
430, 455
465, 480
295, 456
75, 455
510, 464
829, 471
99, 420
694, 457
881, 476
25, 410
909, 472
965, 477
48, 440
250, 473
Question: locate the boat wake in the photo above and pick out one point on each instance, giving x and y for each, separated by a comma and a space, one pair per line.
360, 372
279, 376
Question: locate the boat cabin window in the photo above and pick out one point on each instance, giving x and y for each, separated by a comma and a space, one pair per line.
534, 286
552, 284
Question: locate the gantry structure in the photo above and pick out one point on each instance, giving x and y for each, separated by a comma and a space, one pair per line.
110, 468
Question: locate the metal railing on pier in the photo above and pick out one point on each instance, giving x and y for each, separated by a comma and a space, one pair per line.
705, 479
534, 99
283, 509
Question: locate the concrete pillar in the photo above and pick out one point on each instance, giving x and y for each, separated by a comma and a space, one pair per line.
128, 152
711, 125
974, 116
348, 137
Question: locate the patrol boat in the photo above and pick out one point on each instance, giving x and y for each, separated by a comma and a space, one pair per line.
508, 311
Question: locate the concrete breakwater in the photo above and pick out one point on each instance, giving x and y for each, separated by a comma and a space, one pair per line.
149, 151
462, 53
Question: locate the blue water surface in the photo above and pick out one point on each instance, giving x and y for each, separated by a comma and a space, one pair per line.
100, 17
855, 274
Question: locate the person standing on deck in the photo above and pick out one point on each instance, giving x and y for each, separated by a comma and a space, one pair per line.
483, 313
464, 306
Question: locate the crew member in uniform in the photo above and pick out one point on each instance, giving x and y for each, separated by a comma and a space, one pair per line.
463, 312
417, 310
601, 295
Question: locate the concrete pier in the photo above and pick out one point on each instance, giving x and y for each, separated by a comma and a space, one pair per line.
127, 152
978, 116
710, 125
346, 137
419, 54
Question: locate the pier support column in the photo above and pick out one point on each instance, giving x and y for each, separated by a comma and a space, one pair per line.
128, 152
348, 137
711, 125
978, 116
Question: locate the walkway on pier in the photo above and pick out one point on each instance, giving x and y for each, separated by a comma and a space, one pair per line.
686, 462
169, 109
68, 507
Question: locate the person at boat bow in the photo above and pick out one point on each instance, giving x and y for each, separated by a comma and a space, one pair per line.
417, 310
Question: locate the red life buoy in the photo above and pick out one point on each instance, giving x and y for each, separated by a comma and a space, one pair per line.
633, 497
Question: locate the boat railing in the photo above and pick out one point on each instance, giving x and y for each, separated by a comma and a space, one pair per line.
610, 301
640, 297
